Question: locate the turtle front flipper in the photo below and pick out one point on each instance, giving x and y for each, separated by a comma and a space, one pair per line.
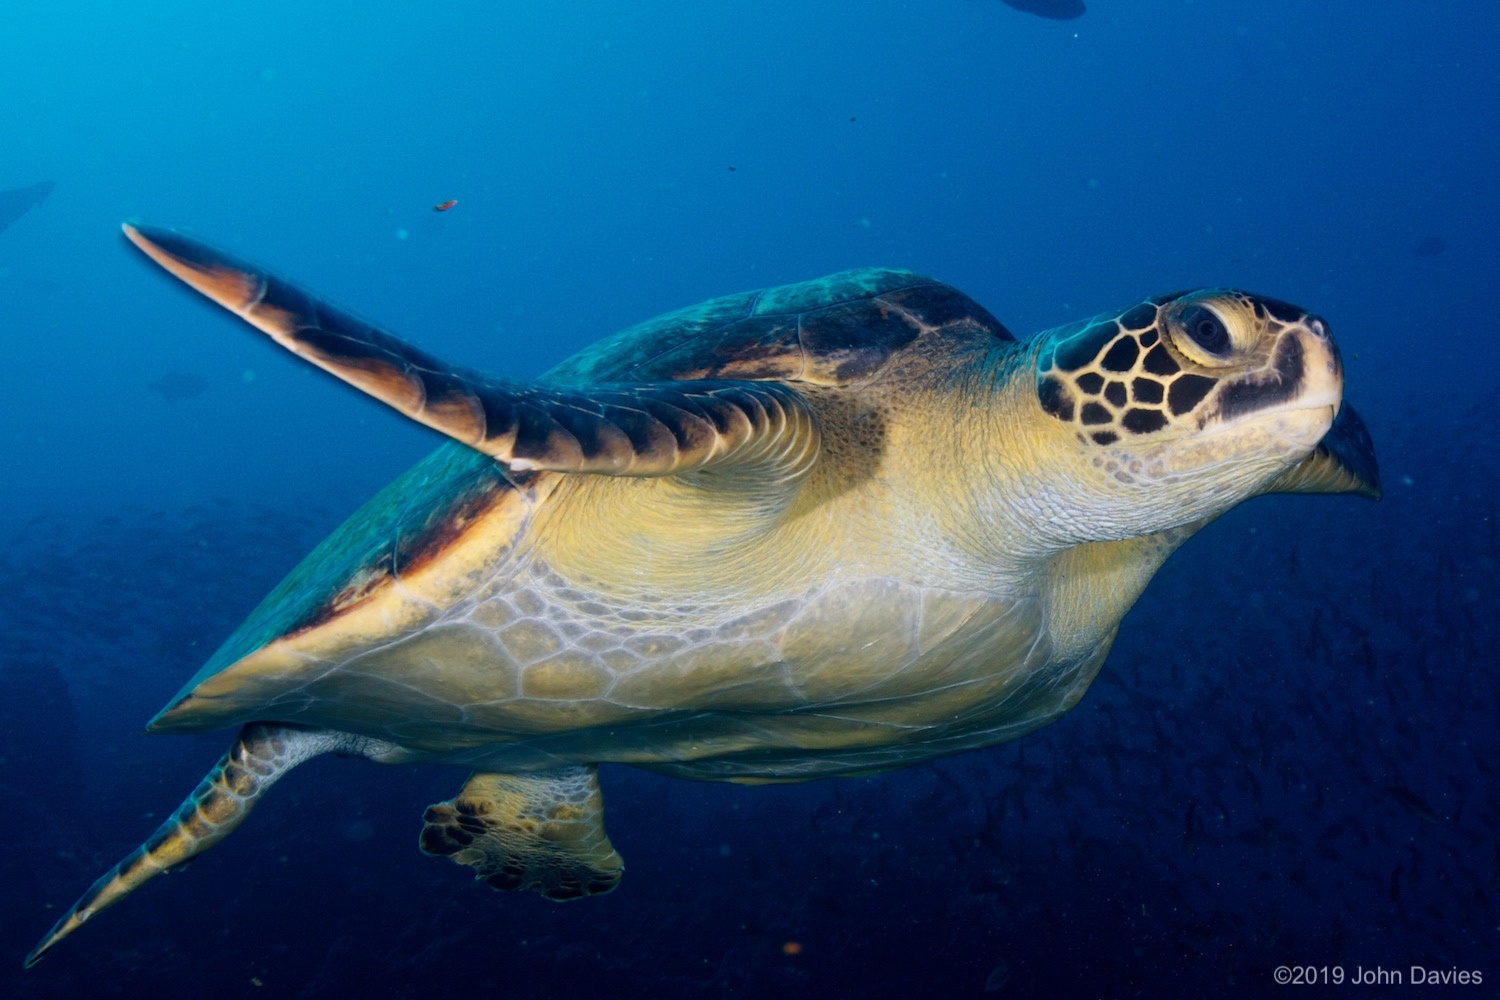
538, 832
616, 428
261, 755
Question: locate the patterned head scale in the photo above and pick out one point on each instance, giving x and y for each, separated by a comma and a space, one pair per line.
1180, 362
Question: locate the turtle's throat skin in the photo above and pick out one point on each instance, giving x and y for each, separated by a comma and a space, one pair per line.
1023, 485
261, 755
1016, 509
1045, 489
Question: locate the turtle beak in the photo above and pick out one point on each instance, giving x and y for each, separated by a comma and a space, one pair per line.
1343, 462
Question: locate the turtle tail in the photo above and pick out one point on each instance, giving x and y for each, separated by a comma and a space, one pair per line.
262, 754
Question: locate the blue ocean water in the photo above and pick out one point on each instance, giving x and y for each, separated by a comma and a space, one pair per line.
1290, 758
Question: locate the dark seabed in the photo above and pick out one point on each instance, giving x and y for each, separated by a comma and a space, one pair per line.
1291, 757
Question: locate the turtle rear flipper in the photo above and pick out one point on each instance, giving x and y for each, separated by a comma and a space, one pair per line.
538, 832
220, 803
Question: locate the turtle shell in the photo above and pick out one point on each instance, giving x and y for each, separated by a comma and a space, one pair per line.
831, 331
448, 524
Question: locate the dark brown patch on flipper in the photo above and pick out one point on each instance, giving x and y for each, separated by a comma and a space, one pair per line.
261, 755
641, 429
533, 832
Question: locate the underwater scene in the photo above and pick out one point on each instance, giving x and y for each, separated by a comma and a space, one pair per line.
1282, 778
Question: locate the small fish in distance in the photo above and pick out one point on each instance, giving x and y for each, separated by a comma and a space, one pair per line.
179, 385
1056, 10
1432, 246
18, 201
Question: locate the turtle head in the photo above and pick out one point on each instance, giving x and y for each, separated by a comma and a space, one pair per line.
1183, 405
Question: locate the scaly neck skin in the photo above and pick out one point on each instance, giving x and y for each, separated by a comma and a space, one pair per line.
1042, 511
1031, 491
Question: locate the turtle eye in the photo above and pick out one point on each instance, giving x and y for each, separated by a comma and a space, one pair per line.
1205, 328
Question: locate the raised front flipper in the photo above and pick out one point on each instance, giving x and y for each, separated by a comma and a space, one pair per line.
539, 832
219, 804
620, 429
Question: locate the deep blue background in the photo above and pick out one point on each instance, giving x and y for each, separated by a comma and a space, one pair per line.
1291, 756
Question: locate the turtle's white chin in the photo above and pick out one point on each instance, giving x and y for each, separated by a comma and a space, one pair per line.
1204, 475
1301, 424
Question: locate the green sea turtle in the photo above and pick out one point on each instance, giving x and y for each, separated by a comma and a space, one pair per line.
829, 528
